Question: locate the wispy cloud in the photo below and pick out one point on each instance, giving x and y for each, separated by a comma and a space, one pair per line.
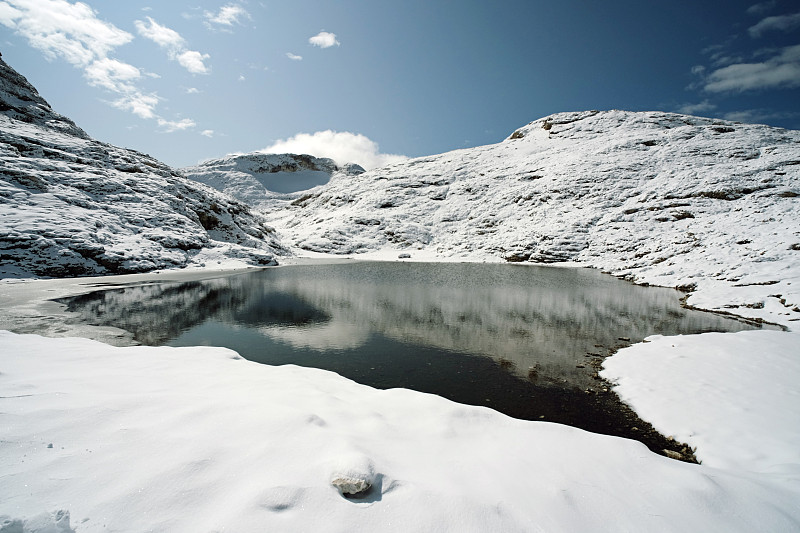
174, 44
777, 23
227, 16
61, 29
341, 146
170, 126
779, 71
140, 104
207, 133
161, 35
294, 57
194, 62
761, 7
693, 109
113, 75
74, 32
324, 39
758, 115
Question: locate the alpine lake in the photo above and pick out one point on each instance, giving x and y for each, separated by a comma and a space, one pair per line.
525, 340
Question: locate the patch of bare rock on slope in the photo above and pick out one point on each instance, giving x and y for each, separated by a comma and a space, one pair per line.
73, 206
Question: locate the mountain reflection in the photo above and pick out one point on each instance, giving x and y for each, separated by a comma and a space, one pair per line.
541, 323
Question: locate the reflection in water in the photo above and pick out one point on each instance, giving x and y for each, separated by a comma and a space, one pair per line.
525, 340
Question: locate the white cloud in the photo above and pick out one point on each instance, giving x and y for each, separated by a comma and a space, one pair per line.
779, 71
113, 75
61, 29
294, 57
178, 125
74, 33
778, 23
175, 45
192, 90
227, 15
343, 147
693, 109
193, 61
324, 39
207, 133
141, 105
161, 35
242, 78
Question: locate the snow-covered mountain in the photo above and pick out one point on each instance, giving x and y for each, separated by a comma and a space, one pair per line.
660, 198
657, 197
72, 206
263, 180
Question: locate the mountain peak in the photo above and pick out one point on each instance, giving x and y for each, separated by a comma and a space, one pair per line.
21, 101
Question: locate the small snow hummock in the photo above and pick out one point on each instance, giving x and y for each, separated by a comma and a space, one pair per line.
47, 522
353, 474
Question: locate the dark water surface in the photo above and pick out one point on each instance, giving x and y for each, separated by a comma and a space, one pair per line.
524, 340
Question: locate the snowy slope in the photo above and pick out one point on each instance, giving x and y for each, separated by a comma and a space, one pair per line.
97, 438
656, 197
73, 206
262, 180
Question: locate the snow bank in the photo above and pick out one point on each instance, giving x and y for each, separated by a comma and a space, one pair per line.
197, 439
732, 395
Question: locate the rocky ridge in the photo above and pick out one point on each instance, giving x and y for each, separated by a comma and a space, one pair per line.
73, 206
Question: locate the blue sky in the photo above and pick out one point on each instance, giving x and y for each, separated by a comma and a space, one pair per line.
363, 79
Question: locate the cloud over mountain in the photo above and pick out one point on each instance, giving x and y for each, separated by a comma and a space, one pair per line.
341, 146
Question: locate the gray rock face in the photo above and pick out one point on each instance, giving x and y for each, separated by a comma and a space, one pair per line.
73, 206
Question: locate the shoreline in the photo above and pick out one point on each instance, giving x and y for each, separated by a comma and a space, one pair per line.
27, 304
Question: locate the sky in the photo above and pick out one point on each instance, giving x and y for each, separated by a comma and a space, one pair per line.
373, 82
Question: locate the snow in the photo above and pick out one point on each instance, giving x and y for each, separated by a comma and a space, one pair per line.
264, 180
733, 396
198, 439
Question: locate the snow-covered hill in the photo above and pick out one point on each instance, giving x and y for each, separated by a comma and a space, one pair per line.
72, 206
263, 180
657, 197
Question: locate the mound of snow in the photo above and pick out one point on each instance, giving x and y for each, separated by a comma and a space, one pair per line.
198, 439
260, 179
733, 396
656, 197
72, 206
